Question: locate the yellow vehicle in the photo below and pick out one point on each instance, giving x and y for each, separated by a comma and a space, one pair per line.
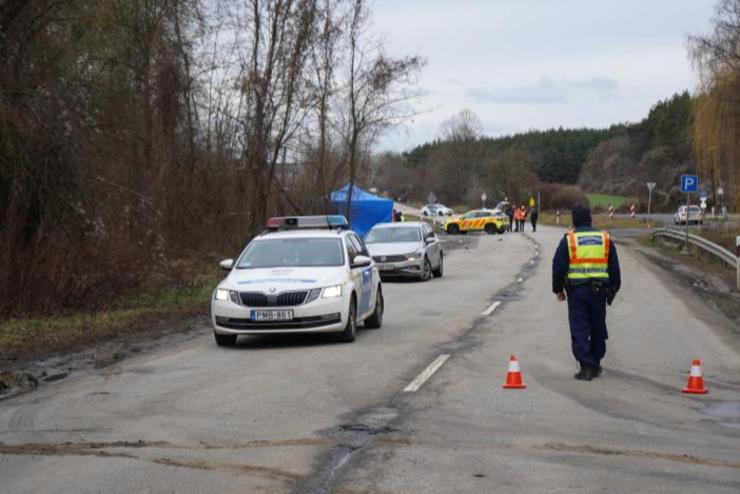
479, 220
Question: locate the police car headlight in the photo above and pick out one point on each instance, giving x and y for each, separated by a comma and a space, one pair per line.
224, 295
415, 255
332, 291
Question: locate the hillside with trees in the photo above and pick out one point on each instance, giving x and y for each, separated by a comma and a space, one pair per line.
462, 163
685, 133
658, 149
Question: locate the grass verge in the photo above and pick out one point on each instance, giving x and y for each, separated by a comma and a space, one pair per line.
601, 221
603, 200
161, 301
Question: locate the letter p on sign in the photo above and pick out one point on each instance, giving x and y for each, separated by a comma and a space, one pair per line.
689, 183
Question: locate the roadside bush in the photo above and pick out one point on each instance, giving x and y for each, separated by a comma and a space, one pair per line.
561, 196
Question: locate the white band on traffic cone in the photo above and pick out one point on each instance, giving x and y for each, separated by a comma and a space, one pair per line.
695, 371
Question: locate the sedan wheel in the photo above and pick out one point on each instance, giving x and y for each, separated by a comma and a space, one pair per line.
439, 272
426, 273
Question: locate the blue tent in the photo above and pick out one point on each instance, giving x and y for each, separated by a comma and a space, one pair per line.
367, 209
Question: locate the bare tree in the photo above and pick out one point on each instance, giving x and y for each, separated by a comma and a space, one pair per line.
375, 90
463, 152
278, 37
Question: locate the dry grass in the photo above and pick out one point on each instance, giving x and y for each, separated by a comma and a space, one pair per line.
599, 221
726, 236
159, 300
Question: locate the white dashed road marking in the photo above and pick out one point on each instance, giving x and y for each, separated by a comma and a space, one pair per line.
426, 373
492, 308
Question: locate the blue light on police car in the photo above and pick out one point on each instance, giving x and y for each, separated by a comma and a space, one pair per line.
337, 221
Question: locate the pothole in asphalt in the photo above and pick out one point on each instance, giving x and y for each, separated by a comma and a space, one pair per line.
352, 438
507, 295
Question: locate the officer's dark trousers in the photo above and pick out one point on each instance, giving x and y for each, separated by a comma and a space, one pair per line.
587, 317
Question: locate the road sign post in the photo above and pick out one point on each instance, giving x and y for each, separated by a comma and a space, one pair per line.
483, 198
722, 207
689, 184
650, 186
737, 253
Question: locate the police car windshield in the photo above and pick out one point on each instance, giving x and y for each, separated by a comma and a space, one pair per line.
395, 234
292, 252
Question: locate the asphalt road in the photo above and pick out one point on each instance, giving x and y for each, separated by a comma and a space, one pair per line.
300, 414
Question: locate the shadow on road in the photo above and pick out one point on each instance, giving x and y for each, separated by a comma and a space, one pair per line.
262, 342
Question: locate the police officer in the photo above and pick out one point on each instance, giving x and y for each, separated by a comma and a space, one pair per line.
585, 271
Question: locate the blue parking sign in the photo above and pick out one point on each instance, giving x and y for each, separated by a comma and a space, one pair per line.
689, 183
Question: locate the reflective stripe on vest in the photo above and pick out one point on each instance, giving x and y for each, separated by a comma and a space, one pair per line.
589, 255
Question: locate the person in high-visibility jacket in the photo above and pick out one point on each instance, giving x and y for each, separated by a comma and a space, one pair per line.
585, 272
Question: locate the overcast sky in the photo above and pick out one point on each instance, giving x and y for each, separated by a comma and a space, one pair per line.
539, 64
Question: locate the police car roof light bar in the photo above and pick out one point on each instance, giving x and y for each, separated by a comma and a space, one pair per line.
338, 221
275, 223
330, 222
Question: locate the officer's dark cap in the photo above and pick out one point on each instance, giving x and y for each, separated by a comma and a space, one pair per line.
581, 215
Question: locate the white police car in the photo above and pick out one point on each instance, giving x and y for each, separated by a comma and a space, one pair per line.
305, 274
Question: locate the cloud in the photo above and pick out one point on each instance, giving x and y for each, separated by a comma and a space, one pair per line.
548, 92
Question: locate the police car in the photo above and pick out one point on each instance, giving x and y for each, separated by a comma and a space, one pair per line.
306, 274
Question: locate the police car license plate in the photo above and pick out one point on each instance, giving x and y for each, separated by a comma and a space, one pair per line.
386, 267
272, 315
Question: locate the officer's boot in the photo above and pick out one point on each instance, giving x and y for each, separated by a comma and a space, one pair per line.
597, 370
585, 374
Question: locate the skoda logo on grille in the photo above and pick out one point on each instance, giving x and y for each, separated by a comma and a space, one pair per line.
273, 289
383, 258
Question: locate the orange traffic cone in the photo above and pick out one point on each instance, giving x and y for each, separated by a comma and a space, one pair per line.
514, 376
696, 381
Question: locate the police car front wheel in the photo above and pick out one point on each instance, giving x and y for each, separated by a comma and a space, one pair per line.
350, 330
225, 339
375, 321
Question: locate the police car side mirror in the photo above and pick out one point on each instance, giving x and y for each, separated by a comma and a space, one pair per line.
227, 264
361, 261
430, 239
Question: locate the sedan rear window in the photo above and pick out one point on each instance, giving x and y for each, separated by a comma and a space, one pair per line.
292, 252
397, 234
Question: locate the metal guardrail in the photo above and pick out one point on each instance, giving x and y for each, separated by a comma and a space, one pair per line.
707, 246
704, 244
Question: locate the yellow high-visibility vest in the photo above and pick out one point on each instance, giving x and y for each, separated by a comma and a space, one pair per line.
589, 255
